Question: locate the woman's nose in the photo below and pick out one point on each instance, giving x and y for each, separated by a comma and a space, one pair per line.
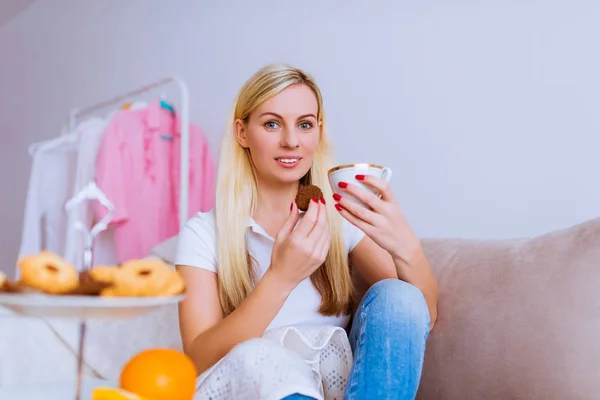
289, 138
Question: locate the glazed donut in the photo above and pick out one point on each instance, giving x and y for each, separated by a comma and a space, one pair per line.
150, 277
49, 273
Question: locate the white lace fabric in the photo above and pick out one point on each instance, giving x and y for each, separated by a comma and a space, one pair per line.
313, 361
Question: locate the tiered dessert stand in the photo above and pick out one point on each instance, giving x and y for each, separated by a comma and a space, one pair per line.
83, 308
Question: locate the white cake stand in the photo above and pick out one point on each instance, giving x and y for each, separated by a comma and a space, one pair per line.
83, 308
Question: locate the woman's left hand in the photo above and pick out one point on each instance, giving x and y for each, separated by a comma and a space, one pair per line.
384, 222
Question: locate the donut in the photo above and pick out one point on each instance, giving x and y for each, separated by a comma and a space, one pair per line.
49, 273
175, 285
148, 277
103, 273
306, 194
3, 282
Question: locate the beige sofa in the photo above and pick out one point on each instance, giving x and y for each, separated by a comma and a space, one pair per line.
518, 319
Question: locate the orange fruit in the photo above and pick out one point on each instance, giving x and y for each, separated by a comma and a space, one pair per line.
108, 393
160, 374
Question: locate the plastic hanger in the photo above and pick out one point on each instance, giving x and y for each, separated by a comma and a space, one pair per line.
134, 105
165, 105
66, 137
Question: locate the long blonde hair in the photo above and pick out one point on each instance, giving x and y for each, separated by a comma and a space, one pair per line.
237, 194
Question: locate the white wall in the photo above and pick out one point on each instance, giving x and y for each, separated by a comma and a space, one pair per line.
488, 113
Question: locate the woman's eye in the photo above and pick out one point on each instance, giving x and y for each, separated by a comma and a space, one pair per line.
305, 125
271, 125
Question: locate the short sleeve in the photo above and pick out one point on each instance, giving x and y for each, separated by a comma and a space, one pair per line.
197, 244
352, 235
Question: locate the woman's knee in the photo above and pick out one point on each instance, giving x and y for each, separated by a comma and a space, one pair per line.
396, 300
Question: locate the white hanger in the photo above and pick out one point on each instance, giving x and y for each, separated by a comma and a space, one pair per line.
50, 144
136, 105
67, 136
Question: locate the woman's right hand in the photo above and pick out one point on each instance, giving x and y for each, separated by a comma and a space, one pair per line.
297, 253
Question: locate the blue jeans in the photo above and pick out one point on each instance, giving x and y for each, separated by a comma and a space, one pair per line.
388, 336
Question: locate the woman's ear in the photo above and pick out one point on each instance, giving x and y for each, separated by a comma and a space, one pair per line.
240, 133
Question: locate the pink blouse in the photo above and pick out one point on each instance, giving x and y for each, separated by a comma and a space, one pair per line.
138, 169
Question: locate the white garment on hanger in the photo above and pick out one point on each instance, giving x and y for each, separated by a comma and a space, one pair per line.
90, 132
64, 139
58, 173
50, 186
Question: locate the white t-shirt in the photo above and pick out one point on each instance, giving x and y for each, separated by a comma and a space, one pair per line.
197, 247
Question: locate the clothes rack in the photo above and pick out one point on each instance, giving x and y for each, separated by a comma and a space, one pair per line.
78, 113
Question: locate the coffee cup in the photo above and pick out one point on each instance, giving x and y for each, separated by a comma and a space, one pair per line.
347, 173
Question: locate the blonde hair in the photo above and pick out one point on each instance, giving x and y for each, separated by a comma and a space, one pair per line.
237, 194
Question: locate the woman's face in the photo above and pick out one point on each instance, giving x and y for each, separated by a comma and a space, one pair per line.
282, 135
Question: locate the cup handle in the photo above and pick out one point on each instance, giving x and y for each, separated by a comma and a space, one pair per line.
386, 174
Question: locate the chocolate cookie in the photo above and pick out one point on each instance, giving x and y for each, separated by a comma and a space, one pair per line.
306, 194
88, 286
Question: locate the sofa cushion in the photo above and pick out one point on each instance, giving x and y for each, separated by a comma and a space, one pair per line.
517, 318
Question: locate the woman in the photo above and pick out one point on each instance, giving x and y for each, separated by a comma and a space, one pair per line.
279, 267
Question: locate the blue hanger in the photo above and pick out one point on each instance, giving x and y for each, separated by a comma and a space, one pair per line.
167, 106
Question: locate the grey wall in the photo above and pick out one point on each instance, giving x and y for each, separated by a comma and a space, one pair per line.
488, 112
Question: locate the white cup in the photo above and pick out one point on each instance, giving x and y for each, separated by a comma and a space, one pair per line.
347, 173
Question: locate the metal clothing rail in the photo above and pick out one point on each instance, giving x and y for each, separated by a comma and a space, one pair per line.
78, 113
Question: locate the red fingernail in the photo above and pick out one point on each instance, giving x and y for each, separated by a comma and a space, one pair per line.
315, 200
323, 200
291, 206
337, 197
343, 185
360, 177
338, 207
